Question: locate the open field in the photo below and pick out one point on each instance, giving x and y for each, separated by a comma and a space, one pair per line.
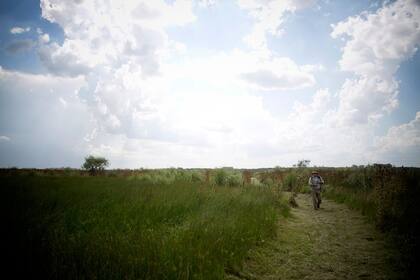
210, 224
124, 228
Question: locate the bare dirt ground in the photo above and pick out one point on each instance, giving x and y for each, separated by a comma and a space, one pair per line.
331, 243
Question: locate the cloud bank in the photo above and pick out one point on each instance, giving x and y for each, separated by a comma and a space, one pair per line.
125, 89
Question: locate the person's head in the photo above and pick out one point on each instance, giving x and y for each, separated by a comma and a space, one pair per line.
315, 173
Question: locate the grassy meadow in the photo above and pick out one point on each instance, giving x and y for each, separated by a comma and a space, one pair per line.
181, 224
156, 225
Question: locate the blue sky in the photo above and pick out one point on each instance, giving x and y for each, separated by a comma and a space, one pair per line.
244, 83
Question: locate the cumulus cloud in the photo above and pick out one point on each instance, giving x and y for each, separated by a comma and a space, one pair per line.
130, 93
280, 74
118, 47
130, 85
44, 38
402, 137
19, 30
110, 34
65, 60
246, 70
377, 42
375, 46
366, 99
401, 144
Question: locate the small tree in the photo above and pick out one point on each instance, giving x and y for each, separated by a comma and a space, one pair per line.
95, 164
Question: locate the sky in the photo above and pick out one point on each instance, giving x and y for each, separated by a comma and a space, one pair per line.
209, 83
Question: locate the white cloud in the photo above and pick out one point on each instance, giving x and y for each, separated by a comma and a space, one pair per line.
118, 47
377, 42
401, 144
45, 38
313, 112
243, 70
402, 137
19, 30
375, 46
279, 74
132, 94
188, 111
366, 100
110, 34
269, 16
70, 59
131, 84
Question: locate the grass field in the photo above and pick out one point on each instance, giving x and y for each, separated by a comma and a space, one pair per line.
206, 224
74, 227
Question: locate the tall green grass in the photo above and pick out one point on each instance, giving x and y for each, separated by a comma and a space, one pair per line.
72, 227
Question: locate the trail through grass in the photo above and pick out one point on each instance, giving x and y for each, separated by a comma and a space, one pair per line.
331, 243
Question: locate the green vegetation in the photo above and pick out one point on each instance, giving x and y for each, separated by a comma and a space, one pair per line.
203, 224
140, 226
95, 164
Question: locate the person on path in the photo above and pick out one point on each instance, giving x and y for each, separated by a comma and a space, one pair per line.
315, 182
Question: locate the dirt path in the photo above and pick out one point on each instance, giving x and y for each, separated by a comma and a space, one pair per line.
331, 243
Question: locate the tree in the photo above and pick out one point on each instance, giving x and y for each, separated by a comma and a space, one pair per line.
95, 164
